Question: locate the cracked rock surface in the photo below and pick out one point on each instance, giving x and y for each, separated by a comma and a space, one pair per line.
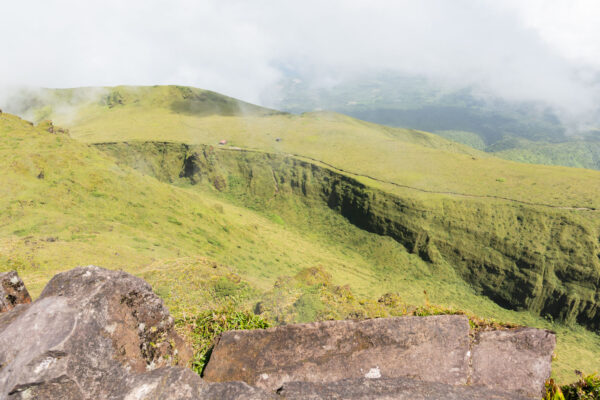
429, 349
334, 350
98, 334
101, 334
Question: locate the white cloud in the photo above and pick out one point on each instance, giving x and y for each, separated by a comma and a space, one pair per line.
534, 50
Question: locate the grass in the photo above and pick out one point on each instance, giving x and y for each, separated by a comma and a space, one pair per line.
202, 329
576, 153
403, 156
523, 256
51, 224
468, 138
309, 296
202, 248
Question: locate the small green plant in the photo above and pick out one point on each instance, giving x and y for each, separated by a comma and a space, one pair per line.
203, 328
553, 391
308, 307
174, 220
585, 388
277, 219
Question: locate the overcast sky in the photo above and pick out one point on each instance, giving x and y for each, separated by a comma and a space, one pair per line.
526, 50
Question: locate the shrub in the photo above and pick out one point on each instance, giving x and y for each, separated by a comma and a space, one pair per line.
308, 307
586, 388
203, 328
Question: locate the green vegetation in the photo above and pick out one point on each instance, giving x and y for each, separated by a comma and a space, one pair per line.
420, 103
524, 132
576, 153
291, 238
405, 157
585, 388
308, 296
468, 138
202, 329
530, 260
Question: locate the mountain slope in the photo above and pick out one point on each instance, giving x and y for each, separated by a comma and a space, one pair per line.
576, 153
405, 157
421, 103
505, 227
465, 115
65, 203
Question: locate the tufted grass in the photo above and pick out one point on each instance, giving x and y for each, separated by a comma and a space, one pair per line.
200, 248
202, 329
409, 157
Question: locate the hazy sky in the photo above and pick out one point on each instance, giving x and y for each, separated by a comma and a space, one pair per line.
519, 49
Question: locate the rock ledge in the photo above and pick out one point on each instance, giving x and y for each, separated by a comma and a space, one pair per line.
101, 334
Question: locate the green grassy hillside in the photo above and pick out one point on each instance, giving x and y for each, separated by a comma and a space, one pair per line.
528, 131
405, 157
65, 203
443, 217
478, 217
577, 153
421, 103
523, 257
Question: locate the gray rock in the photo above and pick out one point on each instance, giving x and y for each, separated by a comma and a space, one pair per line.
236, 391
162, 383
100, 334
12, 291
93, 333
390, 389
426, 348
513, 359
180, 384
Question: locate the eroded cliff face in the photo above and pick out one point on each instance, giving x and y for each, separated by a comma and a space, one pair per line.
545, 260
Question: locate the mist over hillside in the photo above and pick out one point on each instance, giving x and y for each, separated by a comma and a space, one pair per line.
532, 131
281, 163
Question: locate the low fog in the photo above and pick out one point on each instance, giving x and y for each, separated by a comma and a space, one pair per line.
541, 51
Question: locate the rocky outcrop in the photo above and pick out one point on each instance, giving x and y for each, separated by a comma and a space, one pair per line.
391, 389
513, 359
99, 334
435, 349
12, 291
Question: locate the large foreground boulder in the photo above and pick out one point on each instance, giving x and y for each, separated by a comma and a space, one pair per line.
429, 349
436, 349
99, 334
12, 291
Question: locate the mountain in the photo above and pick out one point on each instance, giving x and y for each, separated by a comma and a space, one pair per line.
403, 156
576, 153
421, 103
465, 115
291, 209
